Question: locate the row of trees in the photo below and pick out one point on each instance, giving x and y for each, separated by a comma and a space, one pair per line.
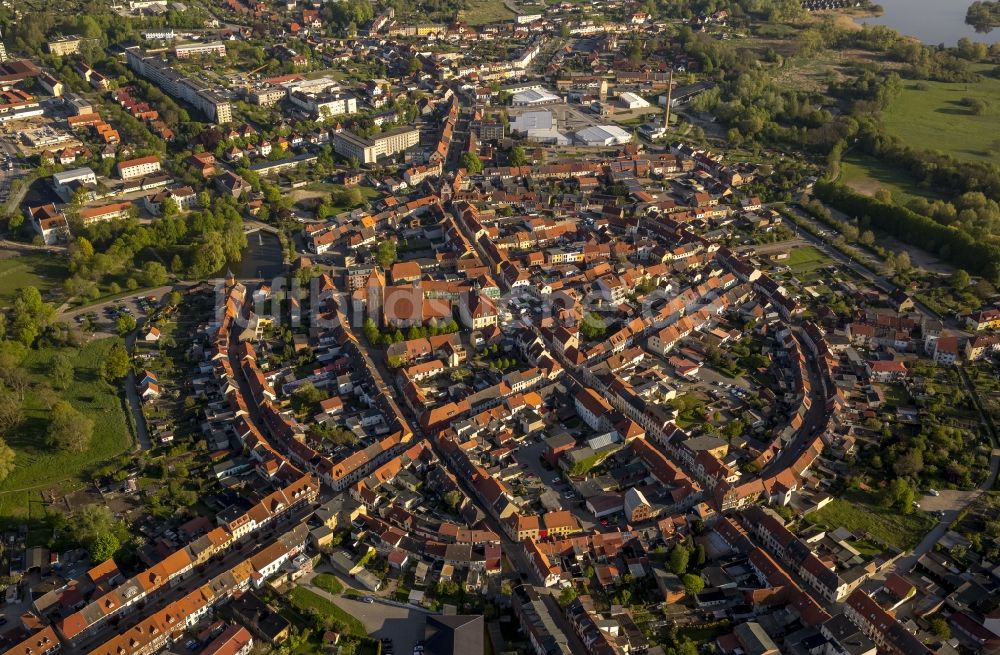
953, 245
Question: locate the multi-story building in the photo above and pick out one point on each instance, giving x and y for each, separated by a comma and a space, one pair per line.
592, 408
179, 87
66, 45
51, 84
368, 151
113, 212
67, 182
268, 96
477, 311
141, 167
325, 105
193, 49
234, 640
49, 223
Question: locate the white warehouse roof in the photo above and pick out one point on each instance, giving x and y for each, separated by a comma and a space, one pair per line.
603, 135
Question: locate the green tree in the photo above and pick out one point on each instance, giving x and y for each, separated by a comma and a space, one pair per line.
351, 197
472, 163
385, 253
62, 371
154, 274
124, 324
103, 547
960, 280
567, 596
371, 332
678, 561
69, 429
453, 499
116, 364
517, 156
939, 626
898, 495
909, 464
307, 396
593, 326
693, 584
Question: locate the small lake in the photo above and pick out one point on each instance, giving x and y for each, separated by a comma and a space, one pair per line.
931, 21
262, 258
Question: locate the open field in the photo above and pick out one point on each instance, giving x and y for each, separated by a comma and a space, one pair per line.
36, 467
805, 260
19, 270
481, 12
328, 582
866, 174
859, 512
918, 116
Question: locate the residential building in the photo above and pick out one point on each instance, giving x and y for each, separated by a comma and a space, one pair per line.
177, 86
186, 50
136, 168
370, 150
65, 45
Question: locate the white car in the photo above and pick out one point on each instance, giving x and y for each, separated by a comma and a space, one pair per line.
934, 492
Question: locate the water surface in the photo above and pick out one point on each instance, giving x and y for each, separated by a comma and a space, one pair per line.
931, 21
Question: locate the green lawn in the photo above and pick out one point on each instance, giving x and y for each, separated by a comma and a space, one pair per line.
481, 12
806, 259
24, 270
304, 600
35, 466
859, 512
328, 582
936, 120
866, 175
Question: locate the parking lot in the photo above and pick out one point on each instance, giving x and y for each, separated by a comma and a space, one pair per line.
402, 625
529, 455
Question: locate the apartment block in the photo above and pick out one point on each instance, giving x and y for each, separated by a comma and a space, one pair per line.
368, 151
141, 167
217, 48
66, 45
190, 90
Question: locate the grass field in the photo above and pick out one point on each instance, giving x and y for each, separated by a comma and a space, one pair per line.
328, 582
36, 467
935, 119
859, 512
23, 270
481, 12
805, 260
866, 175
304, 600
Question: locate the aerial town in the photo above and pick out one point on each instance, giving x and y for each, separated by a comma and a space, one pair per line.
468, 327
